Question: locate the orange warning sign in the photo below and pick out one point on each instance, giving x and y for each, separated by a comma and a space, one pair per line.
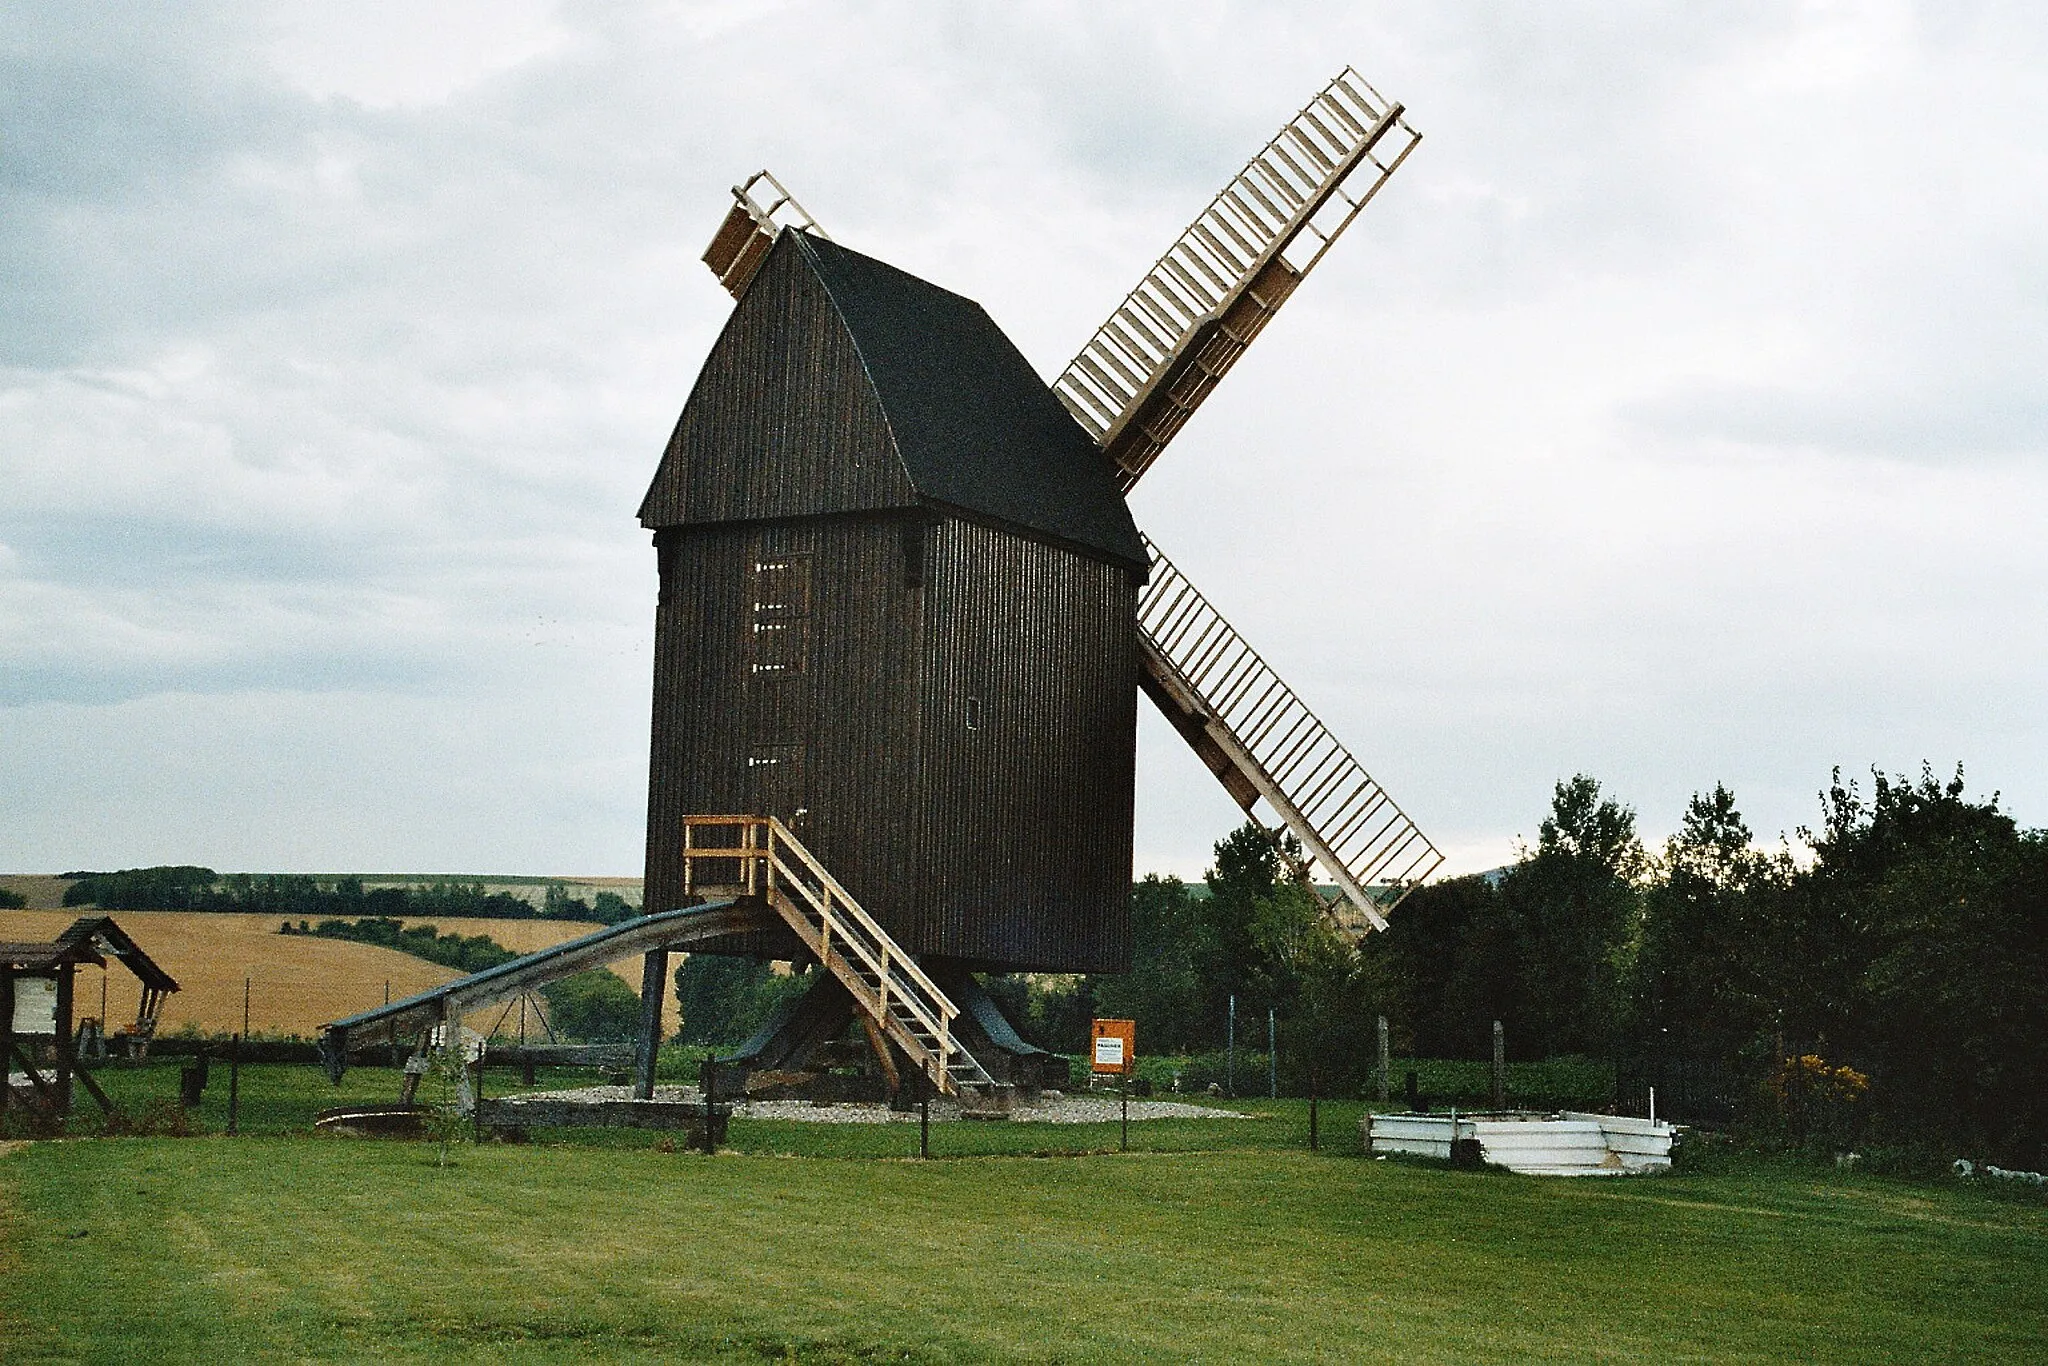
1114, 1046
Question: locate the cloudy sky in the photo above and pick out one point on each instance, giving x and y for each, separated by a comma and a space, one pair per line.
1677, 414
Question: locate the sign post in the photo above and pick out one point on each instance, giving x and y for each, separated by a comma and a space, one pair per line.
1113, 1051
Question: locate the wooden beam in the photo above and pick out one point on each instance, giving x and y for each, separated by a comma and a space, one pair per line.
63, 1030
35, 1078
653, 991
880, 1044
6, 1037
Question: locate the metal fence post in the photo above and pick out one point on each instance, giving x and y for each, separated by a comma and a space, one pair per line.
1314, 1096
1500, 1067
1385, 1062
1230, 1048
1272, 1055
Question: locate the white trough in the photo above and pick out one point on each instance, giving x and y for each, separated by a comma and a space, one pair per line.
1566, 1144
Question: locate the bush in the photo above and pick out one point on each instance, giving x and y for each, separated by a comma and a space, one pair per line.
725, 1000
594, 1006
1567, 1083
11, 900
467, 953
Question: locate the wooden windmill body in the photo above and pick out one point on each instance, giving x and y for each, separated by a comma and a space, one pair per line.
905, 612
898, 611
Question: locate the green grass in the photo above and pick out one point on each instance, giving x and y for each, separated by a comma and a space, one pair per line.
282, 1100
303, 1248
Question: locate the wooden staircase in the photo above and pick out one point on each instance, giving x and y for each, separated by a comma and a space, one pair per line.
1262, 742
1144, 372
758, 857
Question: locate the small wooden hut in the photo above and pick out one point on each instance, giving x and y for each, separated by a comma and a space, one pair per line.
36, 988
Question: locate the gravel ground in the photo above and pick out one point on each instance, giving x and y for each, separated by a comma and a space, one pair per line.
1063, 1110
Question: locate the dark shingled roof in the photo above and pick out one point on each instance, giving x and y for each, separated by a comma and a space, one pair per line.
974, 424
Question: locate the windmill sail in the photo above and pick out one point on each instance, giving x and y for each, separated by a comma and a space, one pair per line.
749, 229
1152, 363
1263, 743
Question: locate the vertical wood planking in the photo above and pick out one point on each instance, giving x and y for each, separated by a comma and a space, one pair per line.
781, 422
1026, 837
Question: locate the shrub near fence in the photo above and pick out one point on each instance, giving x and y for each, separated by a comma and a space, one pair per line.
1567, 1083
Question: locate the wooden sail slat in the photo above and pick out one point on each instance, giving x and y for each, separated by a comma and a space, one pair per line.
1223, 256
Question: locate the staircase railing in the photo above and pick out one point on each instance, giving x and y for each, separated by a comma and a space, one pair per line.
1146, 370
885, 981
1262, 741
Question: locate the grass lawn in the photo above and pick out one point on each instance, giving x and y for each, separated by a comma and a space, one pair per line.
301, 1248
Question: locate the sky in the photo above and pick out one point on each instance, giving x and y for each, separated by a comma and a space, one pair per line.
1676, 415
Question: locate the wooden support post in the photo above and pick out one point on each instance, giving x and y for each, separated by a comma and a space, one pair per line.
879, 1043
451, 1040
100, 1098
414, 1065
63, 1035
653, 992
1384, 1074
235, 1080
6, 1037
1500, 1067
35, 1077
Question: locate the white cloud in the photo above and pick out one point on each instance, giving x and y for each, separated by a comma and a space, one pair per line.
1673, 416
387, 54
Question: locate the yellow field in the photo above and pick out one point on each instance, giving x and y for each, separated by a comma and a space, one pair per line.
296, 982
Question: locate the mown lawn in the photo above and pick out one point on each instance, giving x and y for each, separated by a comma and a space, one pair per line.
278, 1100
299, 1248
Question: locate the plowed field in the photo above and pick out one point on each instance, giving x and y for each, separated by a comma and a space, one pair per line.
296, 982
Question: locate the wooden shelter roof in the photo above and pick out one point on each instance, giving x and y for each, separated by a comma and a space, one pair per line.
91, 939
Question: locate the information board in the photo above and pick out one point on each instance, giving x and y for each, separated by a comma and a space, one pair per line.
1114, 1046
35, 1005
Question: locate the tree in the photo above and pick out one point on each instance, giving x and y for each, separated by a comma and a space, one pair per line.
1229, 960
593, 1006
1163, 991
1705, 971
1451, 964
11, 900
726, 1000
1575, 909
1922, 925
142, 889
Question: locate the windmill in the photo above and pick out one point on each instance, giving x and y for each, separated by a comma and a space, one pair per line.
905, 615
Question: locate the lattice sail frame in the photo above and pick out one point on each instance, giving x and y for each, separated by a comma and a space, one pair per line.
1263, 742
1161, 352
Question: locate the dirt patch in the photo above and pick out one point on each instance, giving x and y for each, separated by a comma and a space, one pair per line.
1061, 1110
